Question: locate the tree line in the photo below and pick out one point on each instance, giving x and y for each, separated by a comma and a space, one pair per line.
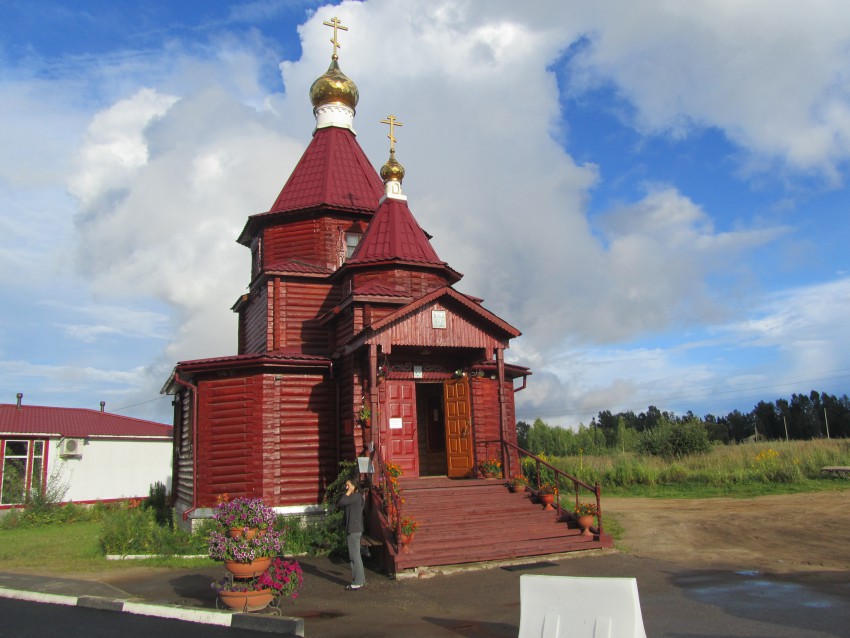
804, 416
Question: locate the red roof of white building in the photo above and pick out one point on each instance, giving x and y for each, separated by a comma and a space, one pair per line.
36, 420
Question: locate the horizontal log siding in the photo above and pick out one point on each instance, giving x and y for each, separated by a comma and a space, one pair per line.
229, 452
297, 310
416, 330
510, 425
344, 326
412, 282
306, 442
318, 241
485, 419
349, 401
485, 416
183, 480
256, 322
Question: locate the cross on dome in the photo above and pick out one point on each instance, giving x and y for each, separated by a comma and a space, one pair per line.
393, 122
392, 172
336, 23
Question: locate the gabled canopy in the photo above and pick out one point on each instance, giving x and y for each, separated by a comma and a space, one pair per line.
468, 325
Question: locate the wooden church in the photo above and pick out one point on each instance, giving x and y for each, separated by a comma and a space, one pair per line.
352, 342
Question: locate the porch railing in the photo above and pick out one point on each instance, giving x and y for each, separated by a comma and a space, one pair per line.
562, 479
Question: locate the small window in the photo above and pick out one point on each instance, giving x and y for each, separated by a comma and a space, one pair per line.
352, 240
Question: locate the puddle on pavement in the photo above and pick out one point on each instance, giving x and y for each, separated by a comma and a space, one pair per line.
749, 587
319, 614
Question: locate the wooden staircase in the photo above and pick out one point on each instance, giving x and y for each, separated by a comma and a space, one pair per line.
472, 520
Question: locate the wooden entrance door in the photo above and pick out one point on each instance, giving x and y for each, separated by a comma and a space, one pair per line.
458, 428
399, 437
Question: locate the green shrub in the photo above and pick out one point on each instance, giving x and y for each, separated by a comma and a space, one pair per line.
134, 530
158, 502
674, 440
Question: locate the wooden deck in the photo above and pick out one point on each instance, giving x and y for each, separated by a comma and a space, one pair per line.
464, 521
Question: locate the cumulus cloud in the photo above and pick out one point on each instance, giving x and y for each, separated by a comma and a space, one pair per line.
186, 142
772, 76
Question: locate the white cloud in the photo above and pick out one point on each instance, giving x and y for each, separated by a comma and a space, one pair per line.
772, 75
184, 143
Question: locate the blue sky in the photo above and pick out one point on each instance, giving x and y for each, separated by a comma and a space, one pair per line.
655, 195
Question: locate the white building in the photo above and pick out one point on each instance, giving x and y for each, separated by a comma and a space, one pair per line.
97, 456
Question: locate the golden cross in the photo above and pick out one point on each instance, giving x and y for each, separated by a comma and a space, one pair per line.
393, 123
337, 25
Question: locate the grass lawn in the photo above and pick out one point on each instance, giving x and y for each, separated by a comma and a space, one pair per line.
69, 547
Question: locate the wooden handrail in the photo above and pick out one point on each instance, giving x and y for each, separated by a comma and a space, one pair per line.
578, 484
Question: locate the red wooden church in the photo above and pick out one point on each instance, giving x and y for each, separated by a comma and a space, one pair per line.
353, 342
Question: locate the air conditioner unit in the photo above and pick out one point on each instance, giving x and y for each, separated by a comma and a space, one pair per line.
71, 447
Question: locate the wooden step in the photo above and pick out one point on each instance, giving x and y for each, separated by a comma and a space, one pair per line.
480, 520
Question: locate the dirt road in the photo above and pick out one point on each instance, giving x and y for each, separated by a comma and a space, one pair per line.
778, 534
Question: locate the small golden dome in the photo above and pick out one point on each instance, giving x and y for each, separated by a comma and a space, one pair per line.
334, 86
392, 170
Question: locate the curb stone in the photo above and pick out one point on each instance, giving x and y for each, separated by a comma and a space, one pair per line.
283, 625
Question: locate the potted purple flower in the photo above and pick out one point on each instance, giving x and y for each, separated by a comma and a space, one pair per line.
244, 516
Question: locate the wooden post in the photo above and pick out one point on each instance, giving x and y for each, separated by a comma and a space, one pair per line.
500, 376
373, 393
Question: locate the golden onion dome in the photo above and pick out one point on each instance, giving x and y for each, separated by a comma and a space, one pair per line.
334, 86
392, 170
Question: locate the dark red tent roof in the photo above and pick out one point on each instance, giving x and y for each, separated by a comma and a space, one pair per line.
76, 423
394, 235
333, 173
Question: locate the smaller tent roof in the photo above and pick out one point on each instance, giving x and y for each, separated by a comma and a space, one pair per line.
36, 420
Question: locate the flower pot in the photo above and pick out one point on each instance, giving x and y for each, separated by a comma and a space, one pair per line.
547, 500
248, 570
585, 522
249, 532
246, 600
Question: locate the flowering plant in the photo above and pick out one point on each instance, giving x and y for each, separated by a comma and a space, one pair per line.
364, 413
390, 486
230, 584
546, 488
244, 512
408, 525
517, 481
490, 466
585, 509
243, 549
283, 577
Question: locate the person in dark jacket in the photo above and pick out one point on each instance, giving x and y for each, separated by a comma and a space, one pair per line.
352, 503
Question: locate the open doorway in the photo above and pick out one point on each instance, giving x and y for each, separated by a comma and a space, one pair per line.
432, 429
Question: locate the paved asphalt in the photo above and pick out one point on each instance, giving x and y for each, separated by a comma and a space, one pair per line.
676, 601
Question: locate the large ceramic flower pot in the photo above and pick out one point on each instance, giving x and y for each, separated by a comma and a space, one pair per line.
247, 570
585, 522
547, 500
246, 600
